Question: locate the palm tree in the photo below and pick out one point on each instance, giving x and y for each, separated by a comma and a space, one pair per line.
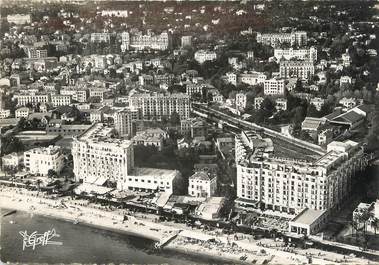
27, 184
375, 224
39, 182
362, 219
109, 197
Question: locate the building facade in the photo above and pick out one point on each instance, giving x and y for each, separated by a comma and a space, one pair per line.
317, 102
100, 37
5, 113
139, 41
283, 184
123, 121
298, 38
79, 95
19, 19
201, 56
98, 157
34, 53
274, 86
41, 160
202, 184
32, 98
301, 54
241, 101
22, 112
158, 106
299, 69
60, 100
186, 41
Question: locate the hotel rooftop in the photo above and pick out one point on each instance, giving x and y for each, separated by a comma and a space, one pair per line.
256, 148
100, 133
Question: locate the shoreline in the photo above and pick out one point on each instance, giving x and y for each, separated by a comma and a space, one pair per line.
141, 233
168, 249
100, 227
106, 221
197, 242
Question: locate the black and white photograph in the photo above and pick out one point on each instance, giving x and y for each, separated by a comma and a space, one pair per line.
189, 132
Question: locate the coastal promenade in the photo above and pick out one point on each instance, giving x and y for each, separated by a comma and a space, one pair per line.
190, 241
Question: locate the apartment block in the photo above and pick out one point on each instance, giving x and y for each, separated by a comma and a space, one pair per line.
201, 56
186, 41
251, 78
258, 102
274, 86
300, 69
22, 112
60, 100
281, 104
241, 101
100, 37
41, 160
19, 19
317, 102
158, 106
5, 113
123, 121
34, 53
77, 94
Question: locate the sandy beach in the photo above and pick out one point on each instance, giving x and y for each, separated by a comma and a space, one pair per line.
89, 216
193, 242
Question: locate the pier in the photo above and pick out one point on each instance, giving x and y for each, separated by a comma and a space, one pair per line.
9, 213
165, 241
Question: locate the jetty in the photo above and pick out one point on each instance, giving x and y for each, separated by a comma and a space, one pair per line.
165, 241
9, 213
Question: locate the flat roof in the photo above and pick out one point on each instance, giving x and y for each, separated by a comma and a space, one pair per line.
98, 133
308, 216
156, 172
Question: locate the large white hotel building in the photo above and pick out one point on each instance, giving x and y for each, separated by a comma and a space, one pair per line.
298, 38
138, 41
157, 106
99, 156
267, 181
302, 54
32, 98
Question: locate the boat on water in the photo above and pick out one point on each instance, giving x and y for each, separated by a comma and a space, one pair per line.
76, 222
12, 222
